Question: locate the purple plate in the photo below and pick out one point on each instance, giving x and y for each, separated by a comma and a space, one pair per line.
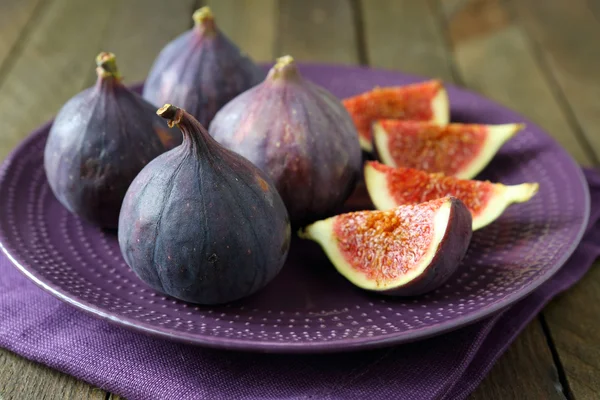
309, 307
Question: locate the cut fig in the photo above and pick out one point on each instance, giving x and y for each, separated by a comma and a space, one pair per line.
426, 101
391, 187
406, 251
460, 150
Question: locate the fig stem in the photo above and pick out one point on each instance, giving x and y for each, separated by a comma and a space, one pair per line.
107, 65
284, 68
171, 113
204, 19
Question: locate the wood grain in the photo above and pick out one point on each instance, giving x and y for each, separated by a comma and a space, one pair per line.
14, 15
313, 30
405, 35
56, 62
136, 45
21, 379
525, 371
575, 329
252, 25
400, 22
53, 66
499, 64
565, 38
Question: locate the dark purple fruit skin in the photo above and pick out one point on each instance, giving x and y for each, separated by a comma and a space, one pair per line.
301, 136
202, 224
450, 252
99, 141
200, 72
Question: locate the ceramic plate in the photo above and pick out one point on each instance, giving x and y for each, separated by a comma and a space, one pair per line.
309, 307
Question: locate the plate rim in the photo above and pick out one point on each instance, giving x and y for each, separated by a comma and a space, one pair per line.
341, 345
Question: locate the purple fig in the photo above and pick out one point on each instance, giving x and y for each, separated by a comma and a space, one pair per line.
201, 223
99, 141
201, 70
300, 135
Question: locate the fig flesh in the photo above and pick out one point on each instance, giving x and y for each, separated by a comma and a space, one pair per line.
300, 135
460, 150
391, 187
99, 141
406, 251
201, 70
201, 223
426, 101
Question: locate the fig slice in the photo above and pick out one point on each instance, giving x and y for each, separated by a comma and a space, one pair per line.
391, 187
427, 101
460, 150
406, 251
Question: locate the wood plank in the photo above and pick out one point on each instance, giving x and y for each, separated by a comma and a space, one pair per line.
562, 36
573, 322
313, 30
513, 377
251, 24
405, 35
52, 67
23, 379
57, 61
14, 16
497, 61
412, 20
565, 38
136, 45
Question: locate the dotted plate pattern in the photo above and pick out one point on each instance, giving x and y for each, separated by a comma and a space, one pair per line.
309, 307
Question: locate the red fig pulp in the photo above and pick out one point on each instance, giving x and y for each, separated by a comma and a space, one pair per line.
406, 251
460, 150
300, 135
99, 141
424, 101
201, 70
390, 187
201, 223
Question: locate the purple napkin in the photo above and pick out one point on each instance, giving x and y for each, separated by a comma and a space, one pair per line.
42, 328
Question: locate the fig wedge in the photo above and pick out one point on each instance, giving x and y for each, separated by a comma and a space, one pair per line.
460, 150
406, 251
391, 187
427, 101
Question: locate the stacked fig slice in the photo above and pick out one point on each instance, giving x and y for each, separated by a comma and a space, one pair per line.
427, 203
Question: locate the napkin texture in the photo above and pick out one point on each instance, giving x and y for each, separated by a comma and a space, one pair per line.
39, 327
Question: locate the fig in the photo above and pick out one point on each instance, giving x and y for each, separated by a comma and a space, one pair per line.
427, 101
300, 135
391, 187
460, 150
99, 141
406, 251
201, 70
201, 223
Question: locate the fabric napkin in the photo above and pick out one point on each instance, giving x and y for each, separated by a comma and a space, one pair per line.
39, 327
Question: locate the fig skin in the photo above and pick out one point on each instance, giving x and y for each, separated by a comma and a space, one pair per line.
449, 254
300, 135
200, 71
201, 223
99, 141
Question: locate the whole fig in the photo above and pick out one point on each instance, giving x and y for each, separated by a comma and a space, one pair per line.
300, 135
201, 223
201, 70
99, 141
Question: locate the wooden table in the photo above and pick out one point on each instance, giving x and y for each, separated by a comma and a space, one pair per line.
541, 58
